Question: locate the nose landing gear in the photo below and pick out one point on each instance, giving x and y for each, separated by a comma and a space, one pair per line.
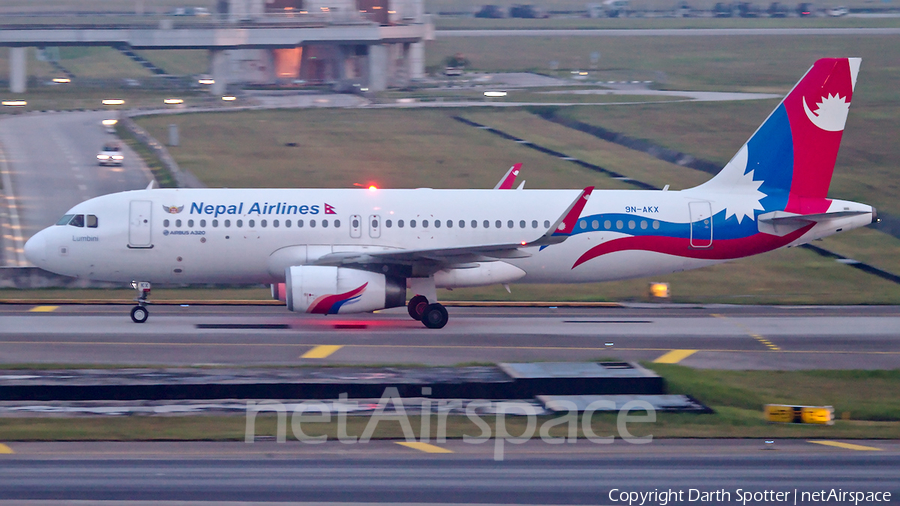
139, 313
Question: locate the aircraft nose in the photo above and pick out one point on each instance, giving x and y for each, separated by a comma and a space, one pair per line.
36, 249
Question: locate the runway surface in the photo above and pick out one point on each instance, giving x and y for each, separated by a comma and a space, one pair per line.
535, 472
673, 32
722, 337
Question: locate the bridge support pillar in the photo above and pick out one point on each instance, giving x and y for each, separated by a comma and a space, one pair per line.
218, 67
415, 58
378, 67
18, 69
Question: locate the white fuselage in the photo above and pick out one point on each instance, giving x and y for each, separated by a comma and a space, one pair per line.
251, 235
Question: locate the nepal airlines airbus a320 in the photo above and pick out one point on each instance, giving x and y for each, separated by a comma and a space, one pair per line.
334, 251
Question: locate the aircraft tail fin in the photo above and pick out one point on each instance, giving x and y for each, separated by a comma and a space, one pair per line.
790, 158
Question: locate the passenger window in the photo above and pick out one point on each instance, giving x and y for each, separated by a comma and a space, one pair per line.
424, 223
227, 223
299, 223
262, 223
449, 223
166, 223
607, 224
521, 223
275, 223
312, 223
65, 220
546, 223
337, 223
240, 223
400, 223
498, 224
190, 223
462, 223
486, 224
92, 221
534, 224
324, 223
509, 224
355, 223
474, 223
215, 223
412, 223
202, 223
437, 224
178, 223
287, 223
388, 223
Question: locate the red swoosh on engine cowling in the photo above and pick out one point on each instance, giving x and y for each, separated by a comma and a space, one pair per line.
323, 304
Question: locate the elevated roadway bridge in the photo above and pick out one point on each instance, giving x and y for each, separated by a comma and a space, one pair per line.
386, 52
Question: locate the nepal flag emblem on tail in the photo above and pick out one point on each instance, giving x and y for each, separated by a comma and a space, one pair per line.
329, 209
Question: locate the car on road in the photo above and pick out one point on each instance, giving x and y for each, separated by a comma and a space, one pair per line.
110, 154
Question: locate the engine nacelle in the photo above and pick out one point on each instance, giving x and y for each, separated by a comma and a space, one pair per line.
332, 290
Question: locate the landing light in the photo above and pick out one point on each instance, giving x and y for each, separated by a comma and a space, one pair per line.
372, 188
206, 81
14, 103
495, 93
113, 101
173, 101
61, 80
109, 122
229, 98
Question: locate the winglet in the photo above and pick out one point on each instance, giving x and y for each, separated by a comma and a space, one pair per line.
565, 224
506, 182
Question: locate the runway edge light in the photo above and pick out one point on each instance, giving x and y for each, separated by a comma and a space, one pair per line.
816, 415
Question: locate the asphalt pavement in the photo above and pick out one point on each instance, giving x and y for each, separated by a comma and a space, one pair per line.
718, 337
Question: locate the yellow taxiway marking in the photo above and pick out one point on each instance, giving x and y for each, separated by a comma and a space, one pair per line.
674, 356
5, 449
848, 446
766, 342
424, 447
322, 351
43, 309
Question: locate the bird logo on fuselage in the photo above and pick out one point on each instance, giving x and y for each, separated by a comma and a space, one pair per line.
173, 209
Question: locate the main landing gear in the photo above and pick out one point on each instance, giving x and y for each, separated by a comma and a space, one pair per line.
139, 313
434, 316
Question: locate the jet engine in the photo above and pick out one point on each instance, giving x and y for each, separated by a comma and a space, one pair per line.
332, 290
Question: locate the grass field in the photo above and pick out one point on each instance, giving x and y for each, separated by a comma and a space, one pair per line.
866, 398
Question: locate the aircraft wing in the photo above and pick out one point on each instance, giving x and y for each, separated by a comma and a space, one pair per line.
460, 257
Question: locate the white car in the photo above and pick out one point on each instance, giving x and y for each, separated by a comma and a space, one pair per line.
111, 154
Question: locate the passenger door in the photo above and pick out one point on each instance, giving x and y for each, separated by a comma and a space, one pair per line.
701, 225
140, 224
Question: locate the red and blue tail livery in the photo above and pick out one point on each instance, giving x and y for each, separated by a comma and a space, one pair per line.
773, 193
365, 250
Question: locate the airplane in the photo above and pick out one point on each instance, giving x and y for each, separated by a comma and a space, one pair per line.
331, 251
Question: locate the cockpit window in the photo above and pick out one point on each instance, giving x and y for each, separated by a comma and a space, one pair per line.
91, 221
65, 219
77, 221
